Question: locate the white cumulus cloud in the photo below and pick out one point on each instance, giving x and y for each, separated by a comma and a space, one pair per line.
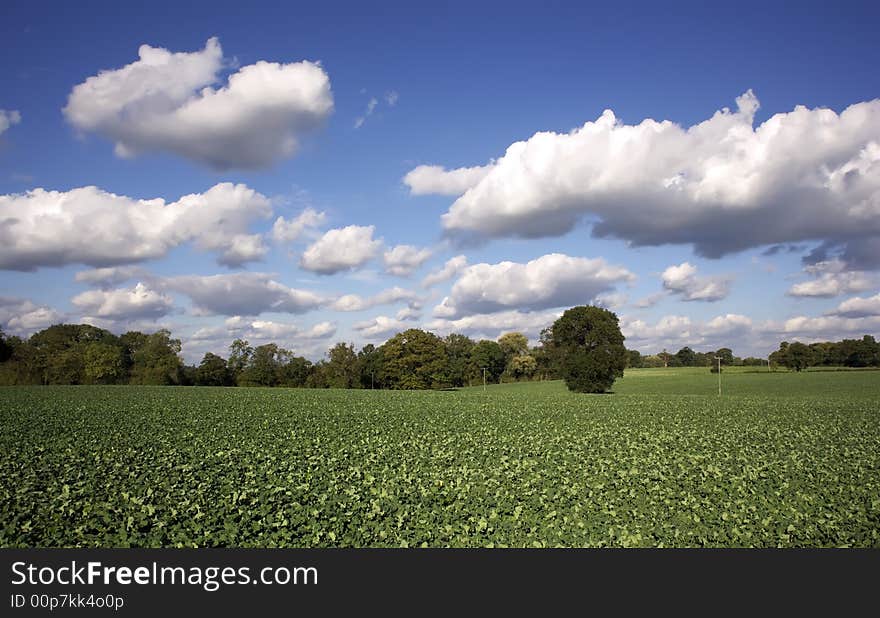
355, 302
683, 281
379, 326
552, 280
23, 317
858, 307
722, 185
176, 102
831, 278
139, 302
242, 294
341, 249
427, 179
450, 269
287, 231
91, 226
402, 260
108, 277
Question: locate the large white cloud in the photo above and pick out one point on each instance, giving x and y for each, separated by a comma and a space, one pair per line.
239, 294
355, 302
167, 101
20, 316
139, 302
552, 280
91, 226
831, 278
341, 249
722, 185
8, 118
683, 281
427, 179
402, 260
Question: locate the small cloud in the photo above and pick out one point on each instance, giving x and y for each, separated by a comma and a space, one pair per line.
8, 118
391, 98
371, 107
683, 280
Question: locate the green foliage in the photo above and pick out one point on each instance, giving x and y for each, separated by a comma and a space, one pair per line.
633, 359
413, 360
370, 363
486, 355
157, 360
342, 367
513, 344
790, 462
458, 354
213, 371
103, 363
521, 367
591, 345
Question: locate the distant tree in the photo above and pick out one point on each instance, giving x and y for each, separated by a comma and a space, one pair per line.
23, 366
415, 359
103, 363
686, 357
751, 361
213, 371
240, 353
633, 359
318, 376
652, 361
864, 352
486, 355
726, 355
547, 357
370, 366
591, 345
264, 366
131, 342
157, 361
458, 353
342, 367
521, 367
513, 344
798, 356
5, 347
295, 371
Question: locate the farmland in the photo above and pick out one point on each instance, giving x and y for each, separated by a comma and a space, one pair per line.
782, 459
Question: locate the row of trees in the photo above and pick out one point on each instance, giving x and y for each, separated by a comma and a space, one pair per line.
584, 347
864, 352
414, 359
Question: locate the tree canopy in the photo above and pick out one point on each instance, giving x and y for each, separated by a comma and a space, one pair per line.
591, 347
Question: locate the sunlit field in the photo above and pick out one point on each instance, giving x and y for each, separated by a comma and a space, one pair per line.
780, 459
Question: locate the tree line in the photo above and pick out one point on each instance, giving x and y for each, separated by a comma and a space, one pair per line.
864, 352
584, 347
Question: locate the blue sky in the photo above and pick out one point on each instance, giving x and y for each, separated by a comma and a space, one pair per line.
710, 235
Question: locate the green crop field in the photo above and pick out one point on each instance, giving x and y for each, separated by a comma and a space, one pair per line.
780, 459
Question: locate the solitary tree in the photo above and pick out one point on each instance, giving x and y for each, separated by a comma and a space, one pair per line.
591, 348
